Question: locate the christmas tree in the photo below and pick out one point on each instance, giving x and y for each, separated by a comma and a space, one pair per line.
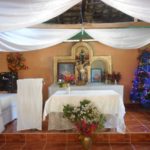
140, 92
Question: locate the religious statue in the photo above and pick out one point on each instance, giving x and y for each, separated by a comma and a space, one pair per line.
82, 70
82, 56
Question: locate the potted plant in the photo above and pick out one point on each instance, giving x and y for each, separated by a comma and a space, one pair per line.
86, 118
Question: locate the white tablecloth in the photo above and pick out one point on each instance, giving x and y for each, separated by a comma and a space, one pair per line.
8, 110
108, 102
89, 86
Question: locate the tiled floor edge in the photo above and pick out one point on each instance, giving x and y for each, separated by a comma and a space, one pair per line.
73, 137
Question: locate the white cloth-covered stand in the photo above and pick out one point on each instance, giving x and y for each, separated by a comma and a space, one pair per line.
29, 104
8, 110
108, 102
1, 122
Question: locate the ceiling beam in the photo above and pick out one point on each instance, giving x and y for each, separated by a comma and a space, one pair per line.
93, 25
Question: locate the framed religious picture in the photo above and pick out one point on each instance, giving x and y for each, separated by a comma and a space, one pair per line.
96, 74
66, 70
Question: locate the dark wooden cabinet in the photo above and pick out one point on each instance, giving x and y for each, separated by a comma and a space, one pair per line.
8, 81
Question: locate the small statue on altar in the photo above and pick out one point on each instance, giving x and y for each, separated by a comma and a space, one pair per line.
82, 72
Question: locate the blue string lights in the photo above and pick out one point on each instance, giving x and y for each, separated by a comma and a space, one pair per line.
141, 84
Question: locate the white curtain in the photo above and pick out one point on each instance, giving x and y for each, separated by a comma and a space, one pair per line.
15, 14
130, 38
136, 8
33, 39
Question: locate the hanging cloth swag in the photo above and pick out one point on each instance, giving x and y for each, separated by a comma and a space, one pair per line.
139, 9
34, 39
17, 14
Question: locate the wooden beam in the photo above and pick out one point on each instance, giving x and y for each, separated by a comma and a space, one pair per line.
93, 25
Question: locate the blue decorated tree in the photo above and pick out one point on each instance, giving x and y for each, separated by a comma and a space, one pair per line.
140, 92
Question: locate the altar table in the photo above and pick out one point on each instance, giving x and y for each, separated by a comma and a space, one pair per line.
89, 86
108, 102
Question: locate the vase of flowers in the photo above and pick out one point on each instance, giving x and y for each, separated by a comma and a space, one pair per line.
65, 79
86, 118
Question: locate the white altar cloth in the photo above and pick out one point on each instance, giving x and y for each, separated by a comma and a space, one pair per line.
89, 86
108, 102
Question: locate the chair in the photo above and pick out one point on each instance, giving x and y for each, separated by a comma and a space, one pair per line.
29, 104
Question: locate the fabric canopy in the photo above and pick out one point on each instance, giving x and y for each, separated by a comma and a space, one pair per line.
128, 38
136, 8
15, 14
34, 39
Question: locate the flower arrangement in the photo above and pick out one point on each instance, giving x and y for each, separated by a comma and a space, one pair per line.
16, 62
66, 78
69, 78
114, 77
86, 117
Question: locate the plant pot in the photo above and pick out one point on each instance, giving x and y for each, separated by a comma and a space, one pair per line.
86, 142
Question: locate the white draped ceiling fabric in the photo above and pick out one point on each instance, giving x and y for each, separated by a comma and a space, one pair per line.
16, 14
129, 38
139, 9
33, 39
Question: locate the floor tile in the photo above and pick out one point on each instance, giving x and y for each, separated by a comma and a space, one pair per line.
2, 138
144, 146
15, 138
121, 147
101, 138
1, 144
56, 138
101, 147
12, 146
145, 121
119, 138
132, 122
38, 137
137, 128
56, 146
142, 137
74, 146
73, 138
33, 146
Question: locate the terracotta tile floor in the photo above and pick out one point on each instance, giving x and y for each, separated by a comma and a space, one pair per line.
73, 146
137, 119
137, 136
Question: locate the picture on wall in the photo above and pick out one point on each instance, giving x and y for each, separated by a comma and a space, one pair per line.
96, 74
66, 69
